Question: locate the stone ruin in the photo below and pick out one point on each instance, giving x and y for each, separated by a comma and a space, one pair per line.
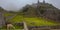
2, 21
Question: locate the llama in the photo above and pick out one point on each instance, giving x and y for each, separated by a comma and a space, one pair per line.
10, 26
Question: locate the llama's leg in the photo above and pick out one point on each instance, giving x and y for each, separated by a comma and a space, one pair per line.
7, 27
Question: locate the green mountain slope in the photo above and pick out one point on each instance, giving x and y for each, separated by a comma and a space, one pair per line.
43, 10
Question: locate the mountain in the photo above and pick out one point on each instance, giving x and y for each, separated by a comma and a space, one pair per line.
41, 9
1, 9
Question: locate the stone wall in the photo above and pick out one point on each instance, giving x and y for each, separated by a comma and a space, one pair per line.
45, 28
2, 21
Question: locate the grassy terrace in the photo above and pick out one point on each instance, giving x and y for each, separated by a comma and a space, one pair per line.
31, 21
7, 14
34, 21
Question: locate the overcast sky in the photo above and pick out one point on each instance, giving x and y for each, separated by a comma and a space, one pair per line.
17, 4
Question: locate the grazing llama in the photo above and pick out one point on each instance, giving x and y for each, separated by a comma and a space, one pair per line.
9, 26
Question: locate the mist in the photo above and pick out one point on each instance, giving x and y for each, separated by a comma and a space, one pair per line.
14, 5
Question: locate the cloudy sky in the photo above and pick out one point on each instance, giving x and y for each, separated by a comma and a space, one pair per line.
17, 4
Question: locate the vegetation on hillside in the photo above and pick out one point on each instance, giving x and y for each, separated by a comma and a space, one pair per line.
44, 10
45, 15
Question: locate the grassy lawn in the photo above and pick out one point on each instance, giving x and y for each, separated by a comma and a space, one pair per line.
7, 14
30, 21
34, 21
39, 22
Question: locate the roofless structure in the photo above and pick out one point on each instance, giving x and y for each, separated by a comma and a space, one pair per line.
2, 21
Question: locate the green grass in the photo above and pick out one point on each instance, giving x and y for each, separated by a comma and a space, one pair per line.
39, 22
7, 14
31, 21
17, 18
34, 21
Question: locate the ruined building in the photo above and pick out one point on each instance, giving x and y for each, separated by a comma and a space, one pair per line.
2, 20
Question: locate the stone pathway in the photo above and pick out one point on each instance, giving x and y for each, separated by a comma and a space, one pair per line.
25, 26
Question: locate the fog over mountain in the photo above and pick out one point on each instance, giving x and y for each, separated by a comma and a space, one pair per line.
18, 4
